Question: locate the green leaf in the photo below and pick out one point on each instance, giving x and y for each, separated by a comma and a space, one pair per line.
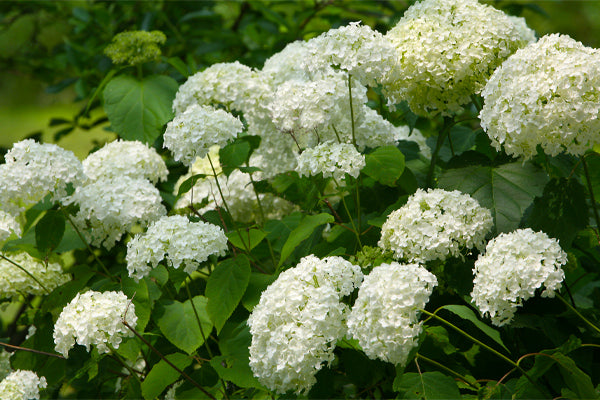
577, 380
385, 165
466, 313
225, 288
177, 321
302, 232
561, 211
162, 375
248, 239
429, 385
237, 153
137, 110
189, 183
257, 284
49, 231
506, 190
138, 291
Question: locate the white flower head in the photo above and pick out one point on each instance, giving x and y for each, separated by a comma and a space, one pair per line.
125, 158
298, 321
192, 133
514, 266
40, 278
288, 64
94, 318
447, 49
22, 385
177, 240
8, 227
5, 367
546, 94
435, 224
385, 316
332, 160
110, 207
34, 170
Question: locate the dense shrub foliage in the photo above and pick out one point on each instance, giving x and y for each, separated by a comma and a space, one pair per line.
312, 199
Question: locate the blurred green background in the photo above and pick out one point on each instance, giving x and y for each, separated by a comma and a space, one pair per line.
52, 62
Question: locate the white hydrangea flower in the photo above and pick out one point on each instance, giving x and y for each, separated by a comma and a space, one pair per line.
546, 94
15, 282
176, 239
8, 227
515, 265
288, 64
125, 158
298, 321
385, 316
22, 385
277, 152
332, 159
313, 111
447, 49
192, 133
94, 318
357, 49
435, 224
5, 368
33, 170
234, 85
110, 207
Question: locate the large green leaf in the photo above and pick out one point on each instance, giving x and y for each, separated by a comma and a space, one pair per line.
137, 110
385, 165
246, 239
162, 375
302, 232
466, 313
237, 153
49, 231
506, 190
177, 321
429, 385
225, 288
138, 292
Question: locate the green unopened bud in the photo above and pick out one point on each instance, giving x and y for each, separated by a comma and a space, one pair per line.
135, 47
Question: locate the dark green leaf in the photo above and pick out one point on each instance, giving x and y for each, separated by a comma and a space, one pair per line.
246, 239
466, 313
302, 232
49, 231
225, 288
429, 385
256, 285
189, 183
237, 153
162, 375
385, 165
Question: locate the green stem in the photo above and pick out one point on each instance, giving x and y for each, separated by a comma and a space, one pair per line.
440, 142
592, 198
569, 306
116, 355
441, 366
351, 110
27, 272
348, 212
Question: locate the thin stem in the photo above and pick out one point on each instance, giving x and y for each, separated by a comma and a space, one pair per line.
577, 312
165, 359
589, 183
351, 110
12, 346
116, 356
348, 212
24, 270
442, 366
436, 151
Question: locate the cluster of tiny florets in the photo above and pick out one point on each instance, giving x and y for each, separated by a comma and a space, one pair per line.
177, 240
546, 94
298, 321
40, 278
332, 160
446, 51
94, 318
125, 158
435, 224
192, 133
514, 266
34, 170
110, 207
8, 227
385, 316
135, 47
22, 385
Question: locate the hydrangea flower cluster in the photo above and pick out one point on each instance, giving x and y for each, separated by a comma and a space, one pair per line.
15, 282
33, 170
435, 224
332, 160
357, 49
177, 240
125, 158
192, 133
5, 368
22, 385
298, 320
515, 265
94, 318
446, 50
545, 94
135, 47
385, 316
110, 207
8, 227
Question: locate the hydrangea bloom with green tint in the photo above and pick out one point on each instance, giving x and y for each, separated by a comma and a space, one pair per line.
332, 160
135, 47
15, 282
22, 385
